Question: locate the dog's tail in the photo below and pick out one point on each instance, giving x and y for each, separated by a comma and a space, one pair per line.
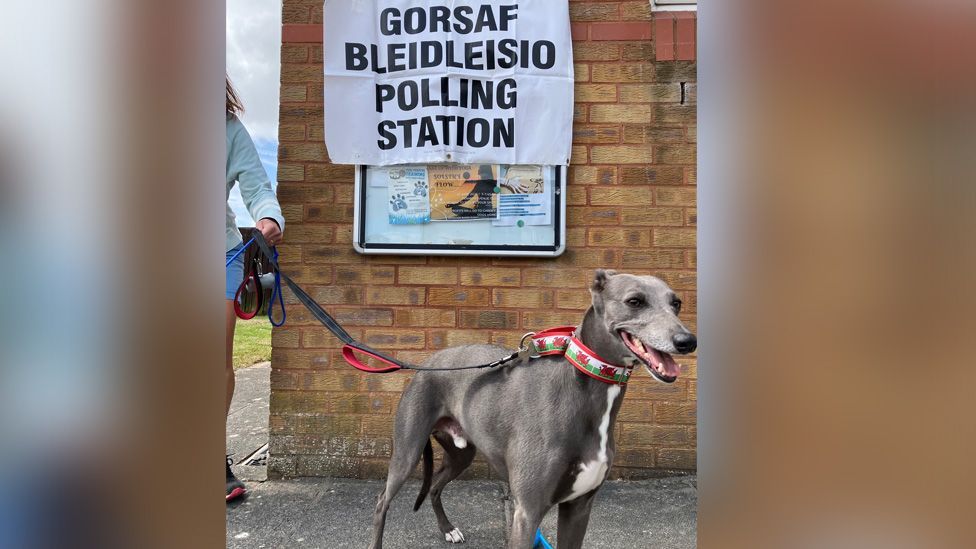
428, 472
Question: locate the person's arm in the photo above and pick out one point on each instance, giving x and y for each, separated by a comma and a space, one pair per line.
245, 164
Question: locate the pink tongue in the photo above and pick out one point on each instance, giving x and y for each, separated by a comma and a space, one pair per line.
671, 368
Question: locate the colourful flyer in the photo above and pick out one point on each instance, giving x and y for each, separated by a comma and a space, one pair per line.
409, 195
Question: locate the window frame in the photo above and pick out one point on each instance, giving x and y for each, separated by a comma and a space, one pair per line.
674, 5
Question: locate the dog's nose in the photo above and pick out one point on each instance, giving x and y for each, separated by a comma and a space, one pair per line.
685, 342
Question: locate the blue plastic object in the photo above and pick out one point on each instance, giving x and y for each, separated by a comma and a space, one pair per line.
540, 540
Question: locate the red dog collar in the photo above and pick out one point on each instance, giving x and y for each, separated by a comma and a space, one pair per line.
563, 341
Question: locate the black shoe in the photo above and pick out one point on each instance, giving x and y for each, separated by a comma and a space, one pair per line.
235, 488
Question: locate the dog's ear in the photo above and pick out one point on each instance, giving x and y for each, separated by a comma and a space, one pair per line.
600, 279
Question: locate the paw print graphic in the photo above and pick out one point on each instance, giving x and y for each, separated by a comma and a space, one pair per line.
420, 188
398, 202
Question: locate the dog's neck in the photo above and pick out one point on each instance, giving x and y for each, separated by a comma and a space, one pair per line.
595, 336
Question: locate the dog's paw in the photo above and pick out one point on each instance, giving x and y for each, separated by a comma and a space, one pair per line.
454, 536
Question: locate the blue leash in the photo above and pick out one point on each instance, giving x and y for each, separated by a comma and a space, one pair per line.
276, 291
239, 252
540, 540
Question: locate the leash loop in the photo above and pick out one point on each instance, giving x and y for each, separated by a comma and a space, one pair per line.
276, 292
241, 292
349, 355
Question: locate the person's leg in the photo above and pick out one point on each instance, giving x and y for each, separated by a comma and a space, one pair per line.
235, 273
235, 488
229, 362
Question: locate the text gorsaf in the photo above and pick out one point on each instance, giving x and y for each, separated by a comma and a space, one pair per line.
444, 91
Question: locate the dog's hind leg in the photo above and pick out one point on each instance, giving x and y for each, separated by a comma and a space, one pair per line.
574, 517
456, 460
411, 434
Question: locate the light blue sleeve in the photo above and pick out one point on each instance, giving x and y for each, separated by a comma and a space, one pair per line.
244, 166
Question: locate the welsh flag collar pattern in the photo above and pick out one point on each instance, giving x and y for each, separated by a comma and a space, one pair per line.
562, 341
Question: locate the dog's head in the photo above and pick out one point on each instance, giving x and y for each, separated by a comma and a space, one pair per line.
640, 314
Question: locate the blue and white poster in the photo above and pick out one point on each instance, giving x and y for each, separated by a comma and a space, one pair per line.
525, 199
409, 195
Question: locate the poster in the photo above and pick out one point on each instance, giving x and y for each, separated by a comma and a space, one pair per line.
525, 198
409, 195
467, 81
463, 192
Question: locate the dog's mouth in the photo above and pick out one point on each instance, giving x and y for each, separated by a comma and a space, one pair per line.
661, 365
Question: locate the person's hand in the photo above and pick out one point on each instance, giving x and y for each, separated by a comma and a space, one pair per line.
269, 230
516, 186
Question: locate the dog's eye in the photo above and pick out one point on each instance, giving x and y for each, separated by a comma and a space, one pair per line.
635, 302
676, 305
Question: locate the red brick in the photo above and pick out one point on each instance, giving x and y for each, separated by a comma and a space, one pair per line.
620, 31
294, 32
685, 40
664, 37
580, 31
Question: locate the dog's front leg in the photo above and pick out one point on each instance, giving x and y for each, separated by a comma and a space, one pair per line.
525, 522
574, 517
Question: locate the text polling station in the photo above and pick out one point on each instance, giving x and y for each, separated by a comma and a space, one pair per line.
448, 81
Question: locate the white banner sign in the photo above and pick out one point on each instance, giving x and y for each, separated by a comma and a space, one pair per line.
462, 81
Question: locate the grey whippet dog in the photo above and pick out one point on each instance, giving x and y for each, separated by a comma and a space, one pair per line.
543, 425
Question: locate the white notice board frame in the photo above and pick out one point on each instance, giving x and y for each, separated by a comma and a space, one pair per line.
367, 210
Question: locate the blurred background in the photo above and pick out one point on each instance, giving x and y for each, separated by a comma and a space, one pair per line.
835, 244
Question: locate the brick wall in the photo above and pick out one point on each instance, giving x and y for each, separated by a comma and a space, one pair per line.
631, 206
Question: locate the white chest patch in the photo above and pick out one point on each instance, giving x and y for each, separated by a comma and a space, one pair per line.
592, 473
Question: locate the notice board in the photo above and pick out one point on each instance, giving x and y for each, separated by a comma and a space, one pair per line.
460, 209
